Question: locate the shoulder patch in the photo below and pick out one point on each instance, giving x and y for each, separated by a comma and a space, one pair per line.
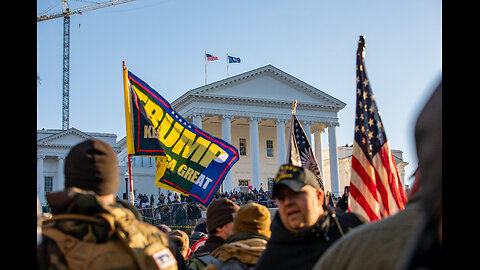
164, 258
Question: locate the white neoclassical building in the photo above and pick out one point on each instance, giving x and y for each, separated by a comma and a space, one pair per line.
53, 146
251, 111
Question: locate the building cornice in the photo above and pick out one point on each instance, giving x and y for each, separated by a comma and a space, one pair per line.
260, 102
249, 114
202, 91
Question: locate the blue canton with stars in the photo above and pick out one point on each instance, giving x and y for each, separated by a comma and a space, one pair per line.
369, 131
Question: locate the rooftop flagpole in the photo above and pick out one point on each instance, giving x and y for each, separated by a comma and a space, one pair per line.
227, 66
205, 57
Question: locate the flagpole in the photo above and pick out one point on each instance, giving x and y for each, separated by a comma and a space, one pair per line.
227, 65
132, 199
290, 134
205, 57
294, 107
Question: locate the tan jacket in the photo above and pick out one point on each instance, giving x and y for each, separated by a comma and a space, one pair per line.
245, 251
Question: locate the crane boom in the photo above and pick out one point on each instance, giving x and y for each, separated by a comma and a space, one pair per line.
81, 10
66, 12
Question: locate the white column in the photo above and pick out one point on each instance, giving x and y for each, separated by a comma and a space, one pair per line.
255, 152
317, 133
227, 137
60, 183
40, 180
197, 120
281, 142
332, 146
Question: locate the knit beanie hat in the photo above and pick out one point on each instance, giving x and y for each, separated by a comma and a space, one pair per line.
92, 165
253, 218
180, 238
219, 213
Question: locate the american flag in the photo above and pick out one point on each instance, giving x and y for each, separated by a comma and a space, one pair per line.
300, 153
375, 188
211, 57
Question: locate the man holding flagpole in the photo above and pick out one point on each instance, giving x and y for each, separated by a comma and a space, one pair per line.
303, 227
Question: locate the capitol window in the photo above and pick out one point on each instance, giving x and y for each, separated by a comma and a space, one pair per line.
269, 148
243, 147
48, 184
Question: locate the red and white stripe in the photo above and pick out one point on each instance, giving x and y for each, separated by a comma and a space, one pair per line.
375, 189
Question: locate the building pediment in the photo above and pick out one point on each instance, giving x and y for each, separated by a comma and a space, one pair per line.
265, 85
64, 138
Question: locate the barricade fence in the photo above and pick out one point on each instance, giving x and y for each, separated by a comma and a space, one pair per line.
183, 216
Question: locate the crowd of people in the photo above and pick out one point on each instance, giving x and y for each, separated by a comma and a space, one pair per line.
91, 229
183, 212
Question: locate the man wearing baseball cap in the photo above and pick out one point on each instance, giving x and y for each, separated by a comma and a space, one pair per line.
303, 227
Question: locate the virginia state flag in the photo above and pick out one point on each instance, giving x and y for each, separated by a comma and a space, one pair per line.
189, 160
232, 59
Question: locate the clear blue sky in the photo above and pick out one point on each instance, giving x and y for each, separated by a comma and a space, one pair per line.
163, 42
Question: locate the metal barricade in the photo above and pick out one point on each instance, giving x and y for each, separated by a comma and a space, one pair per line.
165, 214
170, 215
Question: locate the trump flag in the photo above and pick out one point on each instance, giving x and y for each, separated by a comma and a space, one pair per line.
190, 161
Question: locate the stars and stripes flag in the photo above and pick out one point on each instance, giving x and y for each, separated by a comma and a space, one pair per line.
211, 57
375, 188
299, 151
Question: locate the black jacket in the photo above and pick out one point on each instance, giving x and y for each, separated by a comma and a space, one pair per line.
287, 250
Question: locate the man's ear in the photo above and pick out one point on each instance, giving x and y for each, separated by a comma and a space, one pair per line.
320, 196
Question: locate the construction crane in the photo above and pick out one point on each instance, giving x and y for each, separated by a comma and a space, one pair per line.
66, 12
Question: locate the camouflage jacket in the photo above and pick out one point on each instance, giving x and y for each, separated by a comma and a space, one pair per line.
86, 227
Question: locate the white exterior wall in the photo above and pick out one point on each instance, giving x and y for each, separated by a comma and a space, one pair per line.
345, 165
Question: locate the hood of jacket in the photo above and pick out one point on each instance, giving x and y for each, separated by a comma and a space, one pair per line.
76, 203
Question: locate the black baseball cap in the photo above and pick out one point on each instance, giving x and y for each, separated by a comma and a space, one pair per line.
294, 177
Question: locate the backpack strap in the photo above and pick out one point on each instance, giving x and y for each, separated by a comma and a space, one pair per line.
64, 241
206, 259
231, 263
199, 261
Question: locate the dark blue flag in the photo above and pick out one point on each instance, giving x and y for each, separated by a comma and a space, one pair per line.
232, 59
